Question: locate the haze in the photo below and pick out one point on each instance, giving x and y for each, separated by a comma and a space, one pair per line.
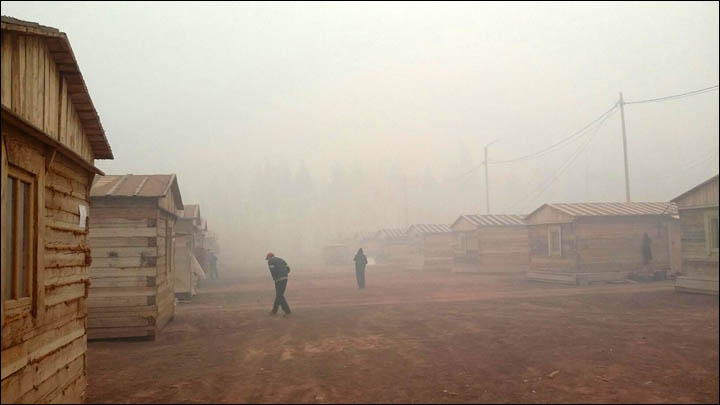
293, 124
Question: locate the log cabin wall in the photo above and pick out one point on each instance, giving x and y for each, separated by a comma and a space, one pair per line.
51, 136
612, 244
540, 257
131, 278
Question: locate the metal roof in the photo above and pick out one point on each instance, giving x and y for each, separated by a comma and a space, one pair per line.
613, 208
493, 220
364, 235
62, 53
431, 228
137, 185
391, 233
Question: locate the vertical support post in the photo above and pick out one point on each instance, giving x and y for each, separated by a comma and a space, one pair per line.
487, 184
625, 156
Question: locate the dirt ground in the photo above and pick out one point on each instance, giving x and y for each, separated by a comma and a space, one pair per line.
421, 337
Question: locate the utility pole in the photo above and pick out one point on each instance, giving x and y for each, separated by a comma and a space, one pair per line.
487, 183
627, 174
405, 201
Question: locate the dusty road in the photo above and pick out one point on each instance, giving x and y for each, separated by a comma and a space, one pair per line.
433, 338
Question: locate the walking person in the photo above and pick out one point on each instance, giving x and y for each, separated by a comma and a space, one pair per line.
360, 263
279, 270
646, 250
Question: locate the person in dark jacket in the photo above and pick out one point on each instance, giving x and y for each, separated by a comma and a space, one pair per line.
279, 270
360, 263
646, 251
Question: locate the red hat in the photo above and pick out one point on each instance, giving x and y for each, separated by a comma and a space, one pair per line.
269, 255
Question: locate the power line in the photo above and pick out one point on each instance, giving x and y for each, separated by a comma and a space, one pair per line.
564, 166
564, 140
675, 96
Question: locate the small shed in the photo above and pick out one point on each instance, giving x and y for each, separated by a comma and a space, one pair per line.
490, 244
132, 225
393, 248
188, 235
698, 210
51, 137
586, 242
431, 247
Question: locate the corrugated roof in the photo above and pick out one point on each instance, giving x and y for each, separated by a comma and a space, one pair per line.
613, 208
62, 53
493, 220
365, 235
431, 228
137, 185
391, 233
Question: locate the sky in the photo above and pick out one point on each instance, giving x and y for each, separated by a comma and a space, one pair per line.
214, 92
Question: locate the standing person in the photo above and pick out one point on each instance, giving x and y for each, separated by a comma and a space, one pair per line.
646, 250
360, 263
213, 266
279, 270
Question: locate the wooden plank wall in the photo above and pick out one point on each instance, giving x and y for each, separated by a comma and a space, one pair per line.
183, 271
697, 262
438, 251
706, 195
44, 356
539, 259
611, 244
494, 250
33, 88
127, 268
165, 299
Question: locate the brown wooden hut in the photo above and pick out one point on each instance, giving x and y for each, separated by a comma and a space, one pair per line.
698, 210
132, 225
431, 247
51, 136
491, 244
188, 235
586, 242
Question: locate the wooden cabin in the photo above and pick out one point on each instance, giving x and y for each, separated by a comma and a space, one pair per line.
51, 136
393, 248
431, 247
698, 209
586, 242
490, 244
201, 251
132, 225
188, 235
369, 244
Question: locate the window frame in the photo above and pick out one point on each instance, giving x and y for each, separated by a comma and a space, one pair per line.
22, 305
551, 252
709, 217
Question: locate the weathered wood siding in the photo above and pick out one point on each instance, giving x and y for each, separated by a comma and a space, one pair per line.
130, 275
492, 249
34, 88
44, 353
539, 258
698, 262
704, 196
612, 244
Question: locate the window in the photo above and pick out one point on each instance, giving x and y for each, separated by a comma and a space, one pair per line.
711, 232
19, 239
554, 241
